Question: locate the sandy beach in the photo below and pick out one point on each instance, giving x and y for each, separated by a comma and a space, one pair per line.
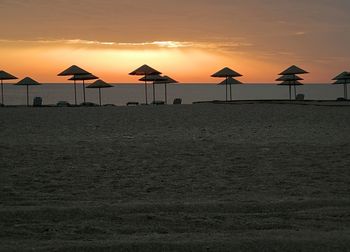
205, 177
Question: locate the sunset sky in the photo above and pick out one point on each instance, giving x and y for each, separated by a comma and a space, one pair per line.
185, 39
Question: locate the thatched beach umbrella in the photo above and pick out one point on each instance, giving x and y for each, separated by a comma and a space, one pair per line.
145, 70
27, 82
153, 78
230, 81
290, 78
227, 73
5, 76
166, 82
73, 71
343, 79
99, 84
84, 77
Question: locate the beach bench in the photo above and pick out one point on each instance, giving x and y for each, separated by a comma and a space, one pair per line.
158, 103
132, 104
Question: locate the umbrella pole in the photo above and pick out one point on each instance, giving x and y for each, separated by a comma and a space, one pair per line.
166, 94
75, 93
345, 91
27, 95
295, 92
226, 90
2, 92
230, 92
146, 90
84, 91
154, 95
290, 92
99, 94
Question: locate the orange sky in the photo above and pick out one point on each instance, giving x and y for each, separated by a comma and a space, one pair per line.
187, 40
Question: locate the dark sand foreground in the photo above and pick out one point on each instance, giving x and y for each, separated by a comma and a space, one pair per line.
253, 177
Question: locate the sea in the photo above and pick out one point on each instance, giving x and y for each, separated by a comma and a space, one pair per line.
121, 94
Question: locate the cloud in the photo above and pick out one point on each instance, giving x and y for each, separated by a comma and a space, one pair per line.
226, 46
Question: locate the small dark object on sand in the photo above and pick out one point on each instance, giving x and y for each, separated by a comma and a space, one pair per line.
88, 104
177, 101
158, 103
63, 104
341, 99
37, 102
132, 104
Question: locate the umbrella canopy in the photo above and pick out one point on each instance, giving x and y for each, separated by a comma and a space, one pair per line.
167, 80
73, 70
230, 81
342, 76
289, 77
27, 82
226, 72
145, 70
293, 70
99, 84
291, 83
5, 76
341, 82
84, 77
153, 77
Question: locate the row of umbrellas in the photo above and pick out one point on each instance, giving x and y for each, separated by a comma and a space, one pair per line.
79, 74
151, 75
288, 77
27, 81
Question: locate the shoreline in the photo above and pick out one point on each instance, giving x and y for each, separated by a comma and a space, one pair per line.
333, 103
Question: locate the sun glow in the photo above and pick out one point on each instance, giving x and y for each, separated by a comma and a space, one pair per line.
187, 62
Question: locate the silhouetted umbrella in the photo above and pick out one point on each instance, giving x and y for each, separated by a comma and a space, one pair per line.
145, 70
84, 77
291, 83
27, 82
290, 79
226, 73
153, 78
5, 76
230, 81
343, 79
293, 70
166, 82
99, 84
74, 70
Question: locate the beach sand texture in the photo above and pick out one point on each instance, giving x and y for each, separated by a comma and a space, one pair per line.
248, 177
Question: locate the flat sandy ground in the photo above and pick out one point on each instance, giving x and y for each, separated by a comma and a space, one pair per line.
254, 177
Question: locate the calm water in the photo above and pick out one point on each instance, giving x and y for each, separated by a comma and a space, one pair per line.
123, 93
